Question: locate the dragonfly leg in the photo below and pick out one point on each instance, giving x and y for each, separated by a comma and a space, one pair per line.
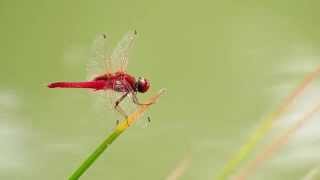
118, 107
136, 101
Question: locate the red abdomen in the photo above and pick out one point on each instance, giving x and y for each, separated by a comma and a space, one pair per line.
97, 85
119, 81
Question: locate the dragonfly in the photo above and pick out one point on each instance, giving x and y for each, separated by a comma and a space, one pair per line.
109, 73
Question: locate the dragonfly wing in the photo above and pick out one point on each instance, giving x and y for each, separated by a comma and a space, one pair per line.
100, 61
120, 54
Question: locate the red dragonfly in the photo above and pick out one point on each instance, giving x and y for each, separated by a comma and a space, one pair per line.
109, 72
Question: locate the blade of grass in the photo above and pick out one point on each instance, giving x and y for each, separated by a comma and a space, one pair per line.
180, 168
265, 127
276, 144
120, 128
311, 174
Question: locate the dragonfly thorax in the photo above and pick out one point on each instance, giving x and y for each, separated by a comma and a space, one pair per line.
123, 82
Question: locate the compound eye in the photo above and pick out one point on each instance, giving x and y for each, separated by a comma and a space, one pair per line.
143, 85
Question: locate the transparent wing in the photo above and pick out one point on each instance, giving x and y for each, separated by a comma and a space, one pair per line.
102, 62
120, 54
99, 61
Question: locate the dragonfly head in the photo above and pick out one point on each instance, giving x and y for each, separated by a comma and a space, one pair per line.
142, 85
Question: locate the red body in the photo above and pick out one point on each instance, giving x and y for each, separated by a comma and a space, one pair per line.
119, 81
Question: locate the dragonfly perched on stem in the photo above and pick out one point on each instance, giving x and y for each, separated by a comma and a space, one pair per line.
110, 73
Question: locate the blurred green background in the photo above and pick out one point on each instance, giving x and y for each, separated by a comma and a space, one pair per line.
221, 61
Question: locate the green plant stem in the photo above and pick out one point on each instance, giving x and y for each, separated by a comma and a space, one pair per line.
90, 160
121, 127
